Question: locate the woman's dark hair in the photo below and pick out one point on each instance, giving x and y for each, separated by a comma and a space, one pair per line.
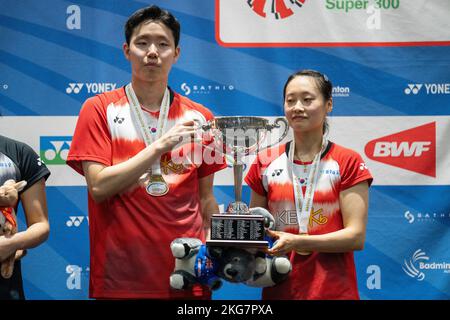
152, 13
323, 84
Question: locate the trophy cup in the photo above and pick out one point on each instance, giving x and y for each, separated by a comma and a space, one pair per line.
237, 137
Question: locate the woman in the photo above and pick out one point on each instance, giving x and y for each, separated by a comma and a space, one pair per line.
22, 179
318, 193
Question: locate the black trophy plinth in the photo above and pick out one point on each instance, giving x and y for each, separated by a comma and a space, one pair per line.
237, 230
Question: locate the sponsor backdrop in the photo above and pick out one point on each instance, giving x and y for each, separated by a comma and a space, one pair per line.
389, 61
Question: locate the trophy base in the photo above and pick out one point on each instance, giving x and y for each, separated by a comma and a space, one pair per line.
238, 243
237, 230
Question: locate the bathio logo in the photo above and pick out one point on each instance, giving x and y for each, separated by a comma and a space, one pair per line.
54, 149
413, 149
278, 9
90, 87
426, 216
409, 216
415, 266
204, 88
429, 88
186, 88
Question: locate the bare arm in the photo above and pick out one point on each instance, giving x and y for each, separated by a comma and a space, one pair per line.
354, 206
35, 207
208, 202
104, 182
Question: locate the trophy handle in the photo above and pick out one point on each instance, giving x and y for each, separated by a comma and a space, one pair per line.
276, 125
205, 127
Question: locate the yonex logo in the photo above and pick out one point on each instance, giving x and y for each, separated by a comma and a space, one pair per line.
74, 88
119, 120
54, 150
91, 87
413, 149
413, 88
75, 221
427, 88
277, 172
278, 9
362, 166
40, 161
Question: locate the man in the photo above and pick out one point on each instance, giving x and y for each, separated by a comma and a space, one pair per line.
22, 178
139, 199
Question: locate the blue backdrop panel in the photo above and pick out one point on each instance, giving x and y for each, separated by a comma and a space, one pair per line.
55, 54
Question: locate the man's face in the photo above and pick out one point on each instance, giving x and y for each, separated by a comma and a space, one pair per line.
151, 51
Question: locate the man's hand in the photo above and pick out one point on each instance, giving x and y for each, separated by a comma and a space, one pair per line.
178, 135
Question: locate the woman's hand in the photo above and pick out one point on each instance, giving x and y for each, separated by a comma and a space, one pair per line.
284, 243
9, 193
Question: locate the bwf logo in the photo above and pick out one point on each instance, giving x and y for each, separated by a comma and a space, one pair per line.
278, 9
91, 87
413, 149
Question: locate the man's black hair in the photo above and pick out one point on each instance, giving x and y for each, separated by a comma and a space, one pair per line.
152, 13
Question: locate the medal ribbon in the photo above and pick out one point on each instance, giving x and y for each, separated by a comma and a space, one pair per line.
303, 204
7, 212
138, 114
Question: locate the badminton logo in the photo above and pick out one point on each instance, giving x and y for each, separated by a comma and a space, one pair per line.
279, 9
410, 267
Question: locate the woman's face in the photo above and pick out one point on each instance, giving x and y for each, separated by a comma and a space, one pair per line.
304, 106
